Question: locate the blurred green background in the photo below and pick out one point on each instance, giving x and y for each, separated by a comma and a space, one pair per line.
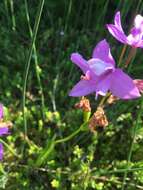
87, 161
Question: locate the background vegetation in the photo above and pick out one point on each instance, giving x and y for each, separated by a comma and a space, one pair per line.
87, 161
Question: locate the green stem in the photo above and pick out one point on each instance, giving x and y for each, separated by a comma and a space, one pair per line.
67, 170
124, 170
104, 99
43, 156
12, 15
35, 59
104, 172
131, 147
68, 15
7, 12
36, 26
86, 178
70, 136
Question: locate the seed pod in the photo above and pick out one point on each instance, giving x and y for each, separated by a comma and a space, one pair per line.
98, 119
84, 104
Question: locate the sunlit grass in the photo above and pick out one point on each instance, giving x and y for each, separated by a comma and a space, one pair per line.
56, 153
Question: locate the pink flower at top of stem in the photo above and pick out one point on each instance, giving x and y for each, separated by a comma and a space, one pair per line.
101, 75
135, 38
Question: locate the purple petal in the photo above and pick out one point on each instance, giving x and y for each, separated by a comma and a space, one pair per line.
117, 21
135, 31
103, 85
1, 151
3, 130
79, 61
138, 21
117, 33
102, 51
82, 88
122, 85
1, 111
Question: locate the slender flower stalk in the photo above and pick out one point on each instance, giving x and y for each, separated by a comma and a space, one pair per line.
122, 55
130, 56
118, 170
101, 103
70, 136
12, 15
36, 26
68, 15
36, 60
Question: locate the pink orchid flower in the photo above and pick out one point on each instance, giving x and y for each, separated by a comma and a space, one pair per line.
3, 130
101, 75
135, 38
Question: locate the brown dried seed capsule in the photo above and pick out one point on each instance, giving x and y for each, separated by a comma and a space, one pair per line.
84, 104
98, 119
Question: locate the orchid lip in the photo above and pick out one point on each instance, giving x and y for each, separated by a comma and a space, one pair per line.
99, 67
